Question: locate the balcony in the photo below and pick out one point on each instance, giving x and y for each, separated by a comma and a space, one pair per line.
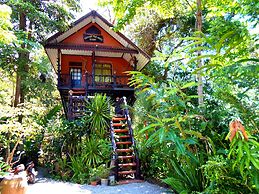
93, 83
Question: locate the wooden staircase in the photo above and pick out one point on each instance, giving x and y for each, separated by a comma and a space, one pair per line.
124, 148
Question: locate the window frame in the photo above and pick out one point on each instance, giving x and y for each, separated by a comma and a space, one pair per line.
103, 77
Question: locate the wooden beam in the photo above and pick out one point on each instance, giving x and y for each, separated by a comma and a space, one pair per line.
59, 66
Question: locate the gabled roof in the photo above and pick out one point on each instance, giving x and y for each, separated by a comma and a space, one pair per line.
126, 51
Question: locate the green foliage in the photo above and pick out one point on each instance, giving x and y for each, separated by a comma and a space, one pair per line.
221, 178
178, 142
23, 60
96, 151
6, 35
103, 172
154, 161
79, 169
98, 114
3, 167
126, 12
81, 149
62, 137
188, 174
181, 139
47, 16
61, 167
16, 136
171, 133
245, 156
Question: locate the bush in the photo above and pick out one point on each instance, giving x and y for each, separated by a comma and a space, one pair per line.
222, 178
81, 144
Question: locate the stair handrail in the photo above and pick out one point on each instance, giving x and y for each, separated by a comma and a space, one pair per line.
128, 120
114, 153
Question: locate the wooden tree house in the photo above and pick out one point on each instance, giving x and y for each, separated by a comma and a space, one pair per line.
90, 57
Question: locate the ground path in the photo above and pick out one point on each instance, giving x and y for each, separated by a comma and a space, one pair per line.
48, 186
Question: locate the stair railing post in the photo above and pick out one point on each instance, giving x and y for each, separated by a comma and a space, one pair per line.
126, 112
70, 105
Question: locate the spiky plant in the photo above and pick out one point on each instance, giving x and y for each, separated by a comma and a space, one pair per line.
98, 114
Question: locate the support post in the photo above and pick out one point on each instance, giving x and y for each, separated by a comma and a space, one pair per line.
59, 68
93, 68
86, 81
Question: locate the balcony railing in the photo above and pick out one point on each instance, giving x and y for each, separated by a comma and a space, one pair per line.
94, 82
65, 81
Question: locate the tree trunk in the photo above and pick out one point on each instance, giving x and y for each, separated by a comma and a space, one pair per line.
22, 64
7, 153
17, 89
199, 76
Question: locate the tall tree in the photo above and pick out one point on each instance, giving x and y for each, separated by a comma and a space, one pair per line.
33, 20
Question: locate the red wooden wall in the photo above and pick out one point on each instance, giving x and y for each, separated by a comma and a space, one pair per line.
119, 65
77, 38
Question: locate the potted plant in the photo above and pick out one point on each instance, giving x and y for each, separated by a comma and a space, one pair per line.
103, 174
104, 177
94, 179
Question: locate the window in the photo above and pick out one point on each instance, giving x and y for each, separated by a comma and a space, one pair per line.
103, 72
76, 76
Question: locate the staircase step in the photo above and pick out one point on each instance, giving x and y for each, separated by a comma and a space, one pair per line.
126, 157
79, 92
121, 130
118, 119
118, 124
122, 182
124, 143
127, 164
124, 150
124, 136
127, 172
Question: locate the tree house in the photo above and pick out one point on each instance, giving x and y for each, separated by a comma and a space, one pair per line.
90, 57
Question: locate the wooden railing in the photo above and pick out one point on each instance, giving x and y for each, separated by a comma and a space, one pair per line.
89, 81
112, 81
66, 82
127, 115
